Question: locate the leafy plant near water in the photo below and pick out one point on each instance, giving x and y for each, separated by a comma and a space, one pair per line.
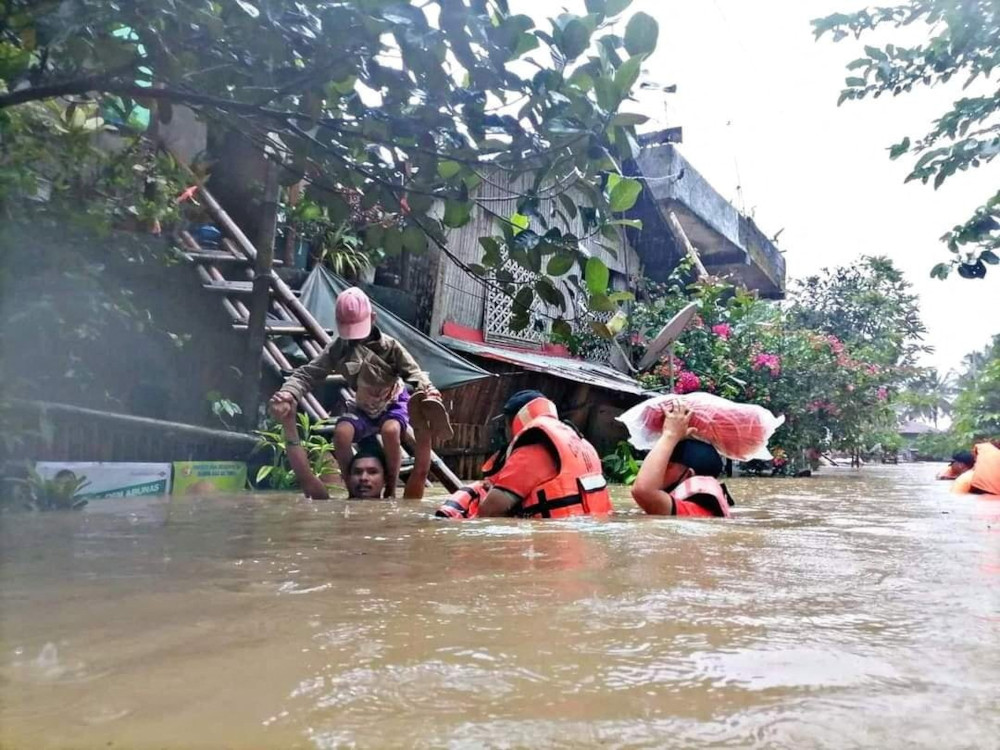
37, 493
223, 408
279, 475
621, 466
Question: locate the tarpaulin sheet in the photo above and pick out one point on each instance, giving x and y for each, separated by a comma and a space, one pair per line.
446, 369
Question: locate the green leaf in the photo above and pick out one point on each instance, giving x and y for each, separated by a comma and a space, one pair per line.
559, 264
574, 39
900, 148
520, 222
628, 119
457, 213
392, 242
548, 293
414, 239
568, 204
614, 7
624, 194
940, 271
597, 276
621, 297
626, 76
600, 303
875, 53
262, 473
562, 330
524, 298
641, 34
988, 256
448, 169
601, 330
855, 82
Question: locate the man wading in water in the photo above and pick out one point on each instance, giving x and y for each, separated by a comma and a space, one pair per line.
366, 471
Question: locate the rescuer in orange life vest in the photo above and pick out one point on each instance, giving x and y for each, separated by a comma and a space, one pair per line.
546, 470
679, 476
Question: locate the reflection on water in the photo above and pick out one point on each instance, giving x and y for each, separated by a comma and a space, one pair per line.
850, 610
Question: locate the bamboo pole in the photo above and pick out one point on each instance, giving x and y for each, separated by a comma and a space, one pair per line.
680, 236
259, 296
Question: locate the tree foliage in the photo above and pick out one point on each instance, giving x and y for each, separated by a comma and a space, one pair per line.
963, 43
409, 105
869, 306
928, 395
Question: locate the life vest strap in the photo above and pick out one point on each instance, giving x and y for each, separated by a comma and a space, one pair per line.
544, 506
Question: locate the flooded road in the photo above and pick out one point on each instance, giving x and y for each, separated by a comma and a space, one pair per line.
855, 609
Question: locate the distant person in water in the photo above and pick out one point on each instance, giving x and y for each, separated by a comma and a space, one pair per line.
961, 462
679, 477
365, 476
378, 369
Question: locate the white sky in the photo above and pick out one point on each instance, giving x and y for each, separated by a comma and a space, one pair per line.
757, 100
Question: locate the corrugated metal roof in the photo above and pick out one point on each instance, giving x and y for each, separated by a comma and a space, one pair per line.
576, 370
915, 428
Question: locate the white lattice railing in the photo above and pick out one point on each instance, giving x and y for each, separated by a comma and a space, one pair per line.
500, 309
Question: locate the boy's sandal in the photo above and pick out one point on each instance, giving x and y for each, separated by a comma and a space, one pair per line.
416, 409
436, 417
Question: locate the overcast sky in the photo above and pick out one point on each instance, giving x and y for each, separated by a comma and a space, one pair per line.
757, 100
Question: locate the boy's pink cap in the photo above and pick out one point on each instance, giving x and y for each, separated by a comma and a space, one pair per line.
354, 314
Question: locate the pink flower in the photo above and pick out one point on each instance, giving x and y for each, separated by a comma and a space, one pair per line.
770, 362
835, 344
638, 339
883, 393
873, 369
850, 387
687, 382
722, 330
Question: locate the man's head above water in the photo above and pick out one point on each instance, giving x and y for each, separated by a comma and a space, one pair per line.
366, 472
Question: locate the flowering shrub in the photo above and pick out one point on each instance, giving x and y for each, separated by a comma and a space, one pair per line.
753, 351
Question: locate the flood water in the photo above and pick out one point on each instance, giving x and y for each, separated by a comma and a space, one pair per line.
855, 609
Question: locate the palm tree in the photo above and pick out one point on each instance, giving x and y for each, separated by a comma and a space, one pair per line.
929, 396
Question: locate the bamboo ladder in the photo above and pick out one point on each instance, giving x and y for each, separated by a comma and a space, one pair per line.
293, 318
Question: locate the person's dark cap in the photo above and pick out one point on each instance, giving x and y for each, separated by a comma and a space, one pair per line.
519, 400
700, 457
963, 457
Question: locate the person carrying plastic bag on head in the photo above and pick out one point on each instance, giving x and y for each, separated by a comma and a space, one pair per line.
737, 431
679, 477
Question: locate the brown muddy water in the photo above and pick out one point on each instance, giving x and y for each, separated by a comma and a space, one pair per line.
856, 609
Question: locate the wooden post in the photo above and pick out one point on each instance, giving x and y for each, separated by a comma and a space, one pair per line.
680, 236
260, 299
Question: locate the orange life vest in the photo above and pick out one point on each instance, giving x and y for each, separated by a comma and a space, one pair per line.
579, 487
984, 477
464, 502
701, 496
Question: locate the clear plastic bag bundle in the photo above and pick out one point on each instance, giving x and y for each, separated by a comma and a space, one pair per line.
738, 431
